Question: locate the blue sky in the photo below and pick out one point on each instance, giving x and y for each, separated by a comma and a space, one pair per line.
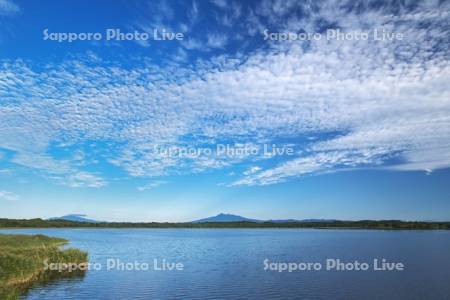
134, 130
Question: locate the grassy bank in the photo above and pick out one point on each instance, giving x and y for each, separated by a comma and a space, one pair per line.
22, 261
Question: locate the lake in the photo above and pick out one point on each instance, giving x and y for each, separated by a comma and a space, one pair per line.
246, 264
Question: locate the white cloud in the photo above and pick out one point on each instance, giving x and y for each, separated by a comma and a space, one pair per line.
150, 185
252, 170
323, 162
220, 3
8, 196
83, 179
193, 13
8, 7
192, 44
216, 40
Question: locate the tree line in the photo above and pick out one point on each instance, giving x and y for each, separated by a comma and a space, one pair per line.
362, 224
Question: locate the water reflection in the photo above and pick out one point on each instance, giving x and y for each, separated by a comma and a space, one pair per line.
45, 279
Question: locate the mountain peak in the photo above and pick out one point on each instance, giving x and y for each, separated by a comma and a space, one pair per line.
222, 217
75, 218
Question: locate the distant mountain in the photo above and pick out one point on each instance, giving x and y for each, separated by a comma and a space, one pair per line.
225, 218
236, 218
75, 218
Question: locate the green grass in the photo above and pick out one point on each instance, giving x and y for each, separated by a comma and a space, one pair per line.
22, 261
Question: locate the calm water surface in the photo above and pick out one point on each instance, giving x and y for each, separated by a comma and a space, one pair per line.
229, 264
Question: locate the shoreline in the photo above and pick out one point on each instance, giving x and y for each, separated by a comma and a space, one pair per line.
21, 259
331, 224
212, 227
